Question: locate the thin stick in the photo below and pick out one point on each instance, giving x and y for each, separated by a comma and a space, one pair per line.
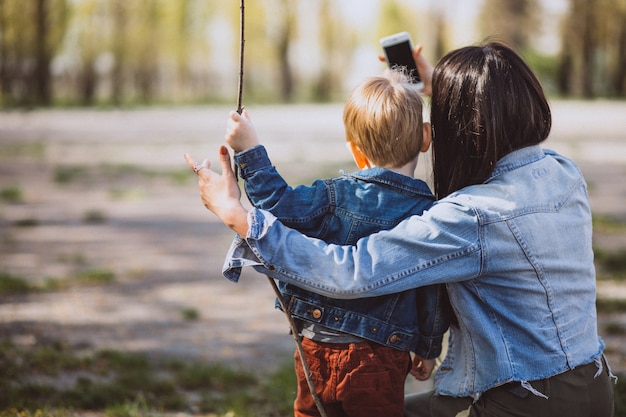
292, 325
242, 41
298, 340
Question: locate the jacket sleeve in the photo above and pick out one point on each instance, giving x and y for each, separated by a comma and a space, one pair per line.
434, 316
441, 246
302, 207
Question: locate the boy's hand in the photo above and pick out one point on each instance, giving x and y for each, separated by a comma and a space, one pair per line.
422, 368
240, 132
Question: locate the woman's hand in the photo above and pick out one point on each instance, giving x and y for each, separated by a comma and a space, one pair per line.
240, 132
424, 68
221, 193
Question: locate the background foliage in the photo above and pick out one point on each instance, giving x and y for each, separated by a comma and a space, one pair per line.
120, 52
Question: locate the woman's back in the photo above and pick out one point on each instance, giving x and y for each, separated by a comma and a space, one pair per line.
530, 311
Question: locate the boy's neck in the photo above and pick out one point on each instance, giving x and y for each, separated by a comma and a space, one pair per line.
408, 169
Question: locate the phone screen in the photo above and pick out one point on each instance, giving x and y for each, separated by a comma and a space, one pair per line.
401, 55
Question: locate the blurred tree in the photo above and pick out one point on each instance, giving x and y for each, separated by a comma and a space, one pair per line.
119, 51
616, 43
284, 35
31, 33
395, 17
439, 20
513, 22
41, 75
119, 30
336, 44
187, 72
88, 45
592, 58
262, 26
619, 75
145, 38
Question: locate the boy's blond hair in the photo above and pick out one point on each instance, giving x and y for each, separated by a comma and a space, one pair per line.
383, 118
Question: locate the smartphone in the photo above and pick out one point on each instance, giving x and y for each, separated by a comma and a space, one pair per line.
398, 50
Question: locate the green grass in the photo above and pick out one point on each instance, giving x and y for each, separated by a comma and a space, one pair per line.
66, 175
94, 217
122, 174
94, 276
608, 224
26, 222
12, 194
613, 328
190, 314
10, 284
611, 264
121, 384
610, 305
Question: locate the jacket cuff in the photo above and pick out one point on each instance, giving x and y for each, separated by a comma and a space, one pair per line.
252, 160
429, 347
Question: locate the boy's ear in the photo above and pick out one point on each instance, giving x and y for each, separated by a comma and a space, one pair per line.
427, 137
359, 159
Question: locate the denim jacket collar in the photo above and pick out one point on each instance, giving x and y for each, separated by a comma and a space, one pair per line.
516, 159
393, 179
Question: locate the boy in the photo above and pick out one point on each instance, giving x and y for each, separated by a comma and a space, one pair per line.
357, 350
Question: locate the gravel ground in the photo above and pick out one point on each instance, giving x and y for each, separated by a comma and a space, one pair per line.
109, 190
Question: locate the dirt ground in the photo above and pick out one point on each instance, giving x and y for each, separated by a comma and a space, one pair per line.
108, 190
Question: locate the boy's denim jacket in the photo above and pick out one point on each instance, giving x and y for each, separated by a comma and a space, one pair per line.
516, 256
341, 210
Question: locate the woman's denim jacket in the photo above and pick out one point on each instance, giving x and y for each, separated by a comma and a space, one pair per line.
342, 210
516, 255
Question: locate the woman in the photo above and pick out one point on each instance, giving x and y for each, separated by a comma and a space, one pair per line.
510, 236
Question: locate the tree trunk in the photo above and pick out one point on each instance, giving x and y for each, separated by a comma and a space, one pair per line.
588, 47
88, 83
41, 75
4, 68
564, 73
619, 74
284, 41
119, 52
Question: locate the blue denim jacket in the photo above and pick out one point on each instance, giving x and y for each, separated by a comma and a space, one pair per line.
516, 256
342, 210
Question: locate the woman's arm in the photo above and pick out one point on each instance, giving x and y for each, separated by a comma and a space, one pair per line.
421, 250
442, 245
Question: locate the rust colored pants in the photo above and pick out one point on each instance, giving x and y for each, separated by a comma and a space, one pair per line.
352, 379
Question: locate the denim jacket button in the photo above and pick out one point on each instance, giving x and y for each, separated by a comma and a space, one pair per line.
316, 313
374, 330
394, 338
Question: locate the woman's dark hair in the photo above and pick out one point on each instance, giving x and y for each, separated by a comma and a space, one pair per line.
486, 103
